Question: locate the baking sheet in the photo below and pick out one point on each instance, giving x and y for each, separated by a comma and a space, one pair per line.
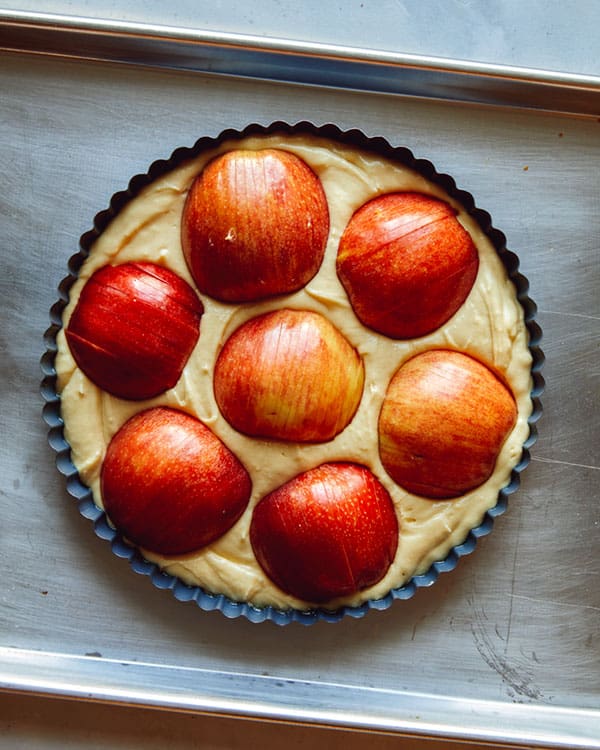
506, 647
298, 62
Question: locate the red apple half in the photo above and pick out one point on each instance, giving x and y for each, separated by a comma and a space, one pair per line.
289, 375
255, 225
406, 263
169, 484
329, 532
443, 422
134, 328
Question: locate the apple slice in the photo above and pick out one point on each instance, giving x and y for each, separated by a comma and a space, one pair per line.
254, 225
169, 484
406, 263
288, 375
329, 532
134, 328
443, 422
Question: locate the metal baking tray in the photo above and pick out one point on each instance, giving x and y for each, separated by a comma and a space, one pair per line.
506, 648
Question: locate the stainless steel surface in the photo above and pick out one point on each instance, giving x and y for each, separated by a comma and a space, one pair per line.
300, 701
542, 34
505, 648
286, 60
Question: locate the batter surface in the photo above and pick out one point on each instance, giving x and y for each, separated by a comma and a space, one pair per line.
489, 326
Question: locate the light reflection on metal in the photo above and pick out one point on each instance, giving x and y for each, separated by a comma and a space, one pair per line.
290, 61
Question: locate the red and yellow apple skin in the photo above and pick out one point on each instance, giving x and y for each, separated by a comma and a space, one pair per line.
169, 484
254, 225
443, 422
288, 375
134, 328
327, 533
406, 263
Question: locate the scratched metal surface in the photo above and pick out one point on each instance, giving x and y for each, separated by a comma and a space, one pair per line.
518, 622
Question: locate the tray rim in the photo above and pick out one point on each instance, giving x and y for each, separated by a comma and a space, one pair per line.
304, 702
298, 62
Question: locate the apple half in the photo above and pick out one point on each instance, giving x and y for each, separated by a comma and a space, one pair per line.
254, 225
134, 328
406, 263
444, 420
288, 375
329, 532
169, 484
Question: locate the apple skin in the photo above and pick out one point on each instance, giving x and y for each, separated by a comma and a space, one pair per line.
134, 328
406, 263
329, 532
288, 375
443, 422
254, 225
169, 484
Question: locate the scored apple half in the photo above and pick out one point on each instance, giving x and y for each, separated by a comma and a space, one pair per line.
169, 484
443, 422
134, 328
289, 375
407, 264
255, 225
327, 533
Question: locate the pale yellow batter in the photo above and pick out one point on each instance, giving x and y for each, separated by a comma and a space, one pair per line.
489, 326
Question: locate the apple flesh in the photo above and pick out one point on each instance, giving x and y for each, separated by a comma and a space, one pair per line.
288, 375
329, 532
406, 263
443, 422
254, 225
134, 328
169, 484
